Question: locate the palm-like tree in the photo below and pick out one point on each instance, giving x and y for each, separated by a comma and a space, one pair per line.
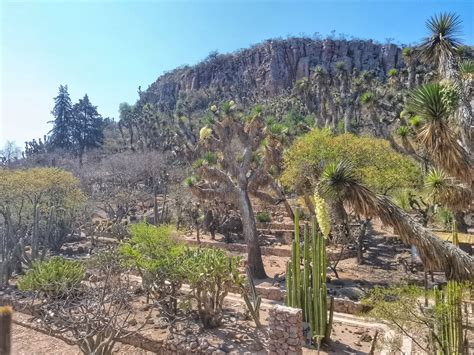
338, 181
440, 48
445, 191
435, 107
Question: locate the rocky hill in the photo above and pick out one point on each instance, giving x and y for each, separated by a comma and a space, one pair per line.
266, 70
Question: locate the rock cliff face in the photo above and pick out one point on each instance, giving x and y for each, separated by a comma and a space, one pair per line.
268, 69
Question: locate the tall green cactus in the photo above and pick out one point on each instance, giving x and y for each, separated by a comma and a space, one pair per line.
448, 314
307, 289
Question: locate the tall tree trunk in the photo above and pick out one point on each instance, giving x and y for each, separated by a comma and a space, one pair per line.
254, 255
450, 69
155, 208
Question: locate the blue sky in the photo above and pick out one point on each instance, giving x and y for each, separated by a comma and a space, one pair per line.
108, 48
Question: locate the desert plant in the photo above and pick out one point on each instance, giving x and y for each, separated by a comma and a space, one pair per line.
307, 289
52, 277
156, 255
434, 327
252, 299
263, 217
448, 318
211, 274
341, 182
94, 318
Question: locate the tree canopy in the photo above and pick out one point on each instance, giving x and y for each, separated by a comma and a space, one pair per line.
374, 161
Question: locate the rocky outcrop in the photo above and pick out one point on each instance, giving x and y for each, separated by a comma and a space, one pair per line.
267, 69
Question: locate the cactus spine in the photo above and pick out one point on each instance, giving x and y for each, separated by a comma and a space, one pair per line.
307, 289
449, 318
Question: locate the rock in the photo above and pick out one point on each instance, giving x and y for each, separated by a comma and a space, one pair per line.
352, 292
132, 322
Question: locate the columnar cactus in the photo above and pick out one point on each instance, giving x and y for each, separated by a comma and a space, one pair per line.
449, 318
307, 289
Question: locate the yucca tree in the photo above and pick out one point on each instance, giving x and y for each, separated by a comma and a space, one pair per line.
368, 101
445, 191
435, 104
441, 45
339, 181
409, 56
440, 49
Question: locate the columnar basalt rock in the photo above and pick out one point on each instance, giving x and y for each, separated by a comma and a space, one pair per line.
285, 327
268, 69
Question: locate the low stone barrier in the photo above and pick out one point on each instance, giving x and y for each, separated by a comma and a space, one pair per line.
285, 327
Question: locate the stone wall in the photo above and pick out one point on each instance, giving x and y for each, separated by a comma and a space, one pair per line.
285, 326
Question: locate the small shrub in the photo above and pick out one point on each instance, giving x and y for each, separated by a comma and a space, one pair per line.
416, 121
403, 131
392, 72
263, 217
211, 274
53, 277
157, 256
119, 231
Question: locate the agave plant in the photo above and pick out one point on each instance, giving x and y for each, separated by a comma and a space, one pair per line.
434, 107
339, 181
466, 67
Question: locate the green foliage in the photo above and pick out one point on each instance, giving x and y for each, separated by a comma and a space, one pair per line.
403, 131
340, 65
157, 256
438, 325
448, 318
374, 161
367, 98
407, 52
415, 121
467, 67
263, 217
53, 277
211, 274
433, 102
392, 72
307, 289
190, 181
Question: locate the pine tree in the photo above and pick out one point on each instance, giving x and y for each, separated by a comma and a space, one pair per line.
62, 112
87, 128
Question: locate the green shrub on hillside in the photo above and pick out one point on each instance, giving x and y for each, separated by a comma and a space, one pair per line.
53, 277
263, 217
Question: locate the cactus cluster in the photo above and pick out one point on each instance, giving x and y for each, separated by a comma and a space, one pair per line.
306, 289
449, 318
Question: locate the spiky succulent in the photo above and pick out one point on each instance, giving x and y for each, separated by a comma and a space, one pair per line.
403, 131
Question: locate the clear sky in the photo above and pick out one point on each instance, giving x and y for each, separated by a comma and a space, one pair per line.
108, 48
